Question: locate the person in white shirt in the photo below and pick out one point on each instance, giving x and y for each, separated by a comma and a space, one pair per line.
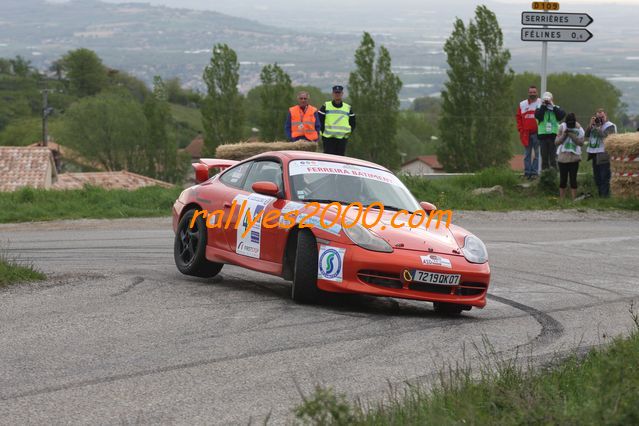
597, 132
569, 140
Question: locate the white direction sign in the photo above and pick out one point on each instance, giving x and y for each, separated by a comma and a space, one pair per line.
575, 35
556, 19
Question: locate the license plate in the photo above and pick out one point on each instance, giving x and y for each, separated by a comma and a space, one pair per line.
435, 278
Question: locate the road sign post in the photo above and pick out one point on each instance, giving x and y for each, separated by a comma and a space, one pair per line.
570, 35
556, 19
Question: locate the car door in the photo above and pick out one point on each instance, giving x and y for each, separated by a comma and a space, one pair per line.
247, 236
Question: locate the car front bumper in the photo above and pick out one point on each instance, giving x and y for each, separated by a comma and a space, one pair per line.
382, 274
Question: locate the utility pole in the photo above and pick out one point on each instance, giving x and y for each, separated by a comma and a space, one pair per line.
46, 112
544, 61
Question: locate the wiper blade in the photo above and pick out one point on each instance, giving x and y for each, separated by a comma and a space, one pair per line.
387, 207
324, 201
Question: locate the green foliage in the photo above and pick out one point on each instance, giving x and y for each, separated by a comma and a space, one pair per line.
160, 150
20, 66
23, 131
12, 271
179, 95
275, 97
136, 87
85, 72
29, 204
415, 134
222, 112
548, 182
110, 129
475, 123
374, 94
325, 408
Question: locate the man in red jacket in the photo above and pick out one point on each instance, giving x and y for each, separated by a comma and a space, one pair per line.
527, 126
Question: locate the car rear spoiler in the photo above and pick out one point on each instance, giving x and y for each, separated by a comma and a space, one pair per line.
217, 163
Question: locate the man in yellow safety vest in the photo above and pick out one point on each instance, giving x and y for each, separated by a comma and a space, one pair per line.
337, 123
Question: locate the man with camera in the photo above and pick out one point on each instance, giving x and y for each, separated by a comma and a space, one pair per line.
597, 132
548, 116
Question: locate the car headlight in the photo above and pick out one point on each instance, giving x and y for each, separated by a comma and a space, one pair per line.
474, 250
367, 239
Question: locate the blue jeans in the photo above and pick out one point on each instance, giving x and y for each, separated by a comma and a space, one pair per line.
531, 166
601, 173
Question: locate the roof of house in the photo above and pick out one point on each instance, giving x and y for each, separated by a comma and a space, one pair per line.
71, 155
107, 180
429, 160
195, 147
517, 163
22, 166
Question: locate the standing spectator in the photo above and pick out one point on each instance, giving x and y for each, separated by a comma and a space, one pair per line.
302, 121
548, 116
570, 138
597, 132
338, 122
527, 126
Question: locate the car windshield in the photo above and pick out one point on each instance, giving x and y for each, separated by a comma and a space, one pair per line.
327, 181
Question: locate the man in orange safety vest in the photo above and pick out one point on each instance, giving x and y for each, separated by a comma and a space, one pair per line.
302, 121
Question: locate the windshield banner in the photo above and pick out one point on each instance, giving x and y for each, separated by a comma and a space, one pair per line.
303, 167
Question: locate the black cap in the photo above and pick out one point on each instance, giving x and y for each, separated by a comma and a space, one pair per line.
338, 88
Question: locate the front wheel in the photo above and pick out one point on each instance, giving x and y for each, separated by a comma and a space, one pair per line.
189, 248
304, 289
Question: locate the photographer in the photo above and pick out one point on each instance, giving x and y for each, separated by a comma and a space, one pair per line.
548, 116
597, 132
569, 141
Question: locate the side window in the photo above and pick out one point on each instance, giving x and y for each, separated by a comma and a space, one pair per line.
264, 171
235, 176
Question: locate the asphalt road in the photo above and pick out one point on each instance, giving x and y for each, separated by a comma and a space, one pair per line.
117, 335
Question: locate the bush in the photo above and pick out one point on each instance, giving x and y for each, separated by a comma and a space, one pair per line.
548, 182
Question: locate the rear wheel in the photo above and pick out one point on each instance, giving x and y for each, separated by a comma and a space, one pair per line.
450, 308
189, 248
304, 289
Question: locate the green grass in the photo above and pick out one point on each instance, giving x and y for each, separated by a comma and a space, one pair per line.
13, 272
456, 193
30, 204
191, 116
601, 388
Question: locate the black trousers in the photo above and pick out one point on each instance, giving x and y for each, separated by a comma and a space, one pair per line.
548, 151
567, 170
334, 146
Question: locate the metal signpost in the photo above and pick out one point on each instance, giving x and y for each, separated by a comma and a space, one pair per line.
546, 34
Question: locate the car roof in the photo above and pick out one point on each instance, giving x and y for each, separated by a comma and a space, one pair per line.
318, 156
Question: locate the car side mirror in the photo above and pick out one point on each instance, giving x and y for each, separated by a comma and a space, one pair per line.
428, 207
201, 172
266, 188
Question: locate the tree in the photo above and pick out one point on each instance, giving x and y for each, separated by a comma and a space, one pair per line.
222, 113
275, 96
85, 72
110, 129
374, 94
476, 115
160, 150
20, 66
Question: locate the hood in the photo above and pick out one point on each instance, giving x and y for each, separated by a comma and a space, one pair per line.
435, 240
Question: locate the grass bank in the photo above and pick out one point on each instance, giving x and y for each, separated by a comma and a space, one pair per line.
13, 272
456, 192
600, 389
30, 204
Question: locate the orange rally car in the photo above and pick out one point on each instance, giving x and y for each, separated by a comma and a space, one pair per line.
314, 243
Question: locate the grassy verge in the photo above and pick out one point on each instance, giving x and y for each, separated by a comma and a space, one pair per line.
456, 193
30, 204
602, 388
12, 272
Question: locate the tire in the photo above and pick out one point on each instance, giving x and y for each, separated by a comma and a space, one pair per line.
449, 308
189, 248
304, 289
